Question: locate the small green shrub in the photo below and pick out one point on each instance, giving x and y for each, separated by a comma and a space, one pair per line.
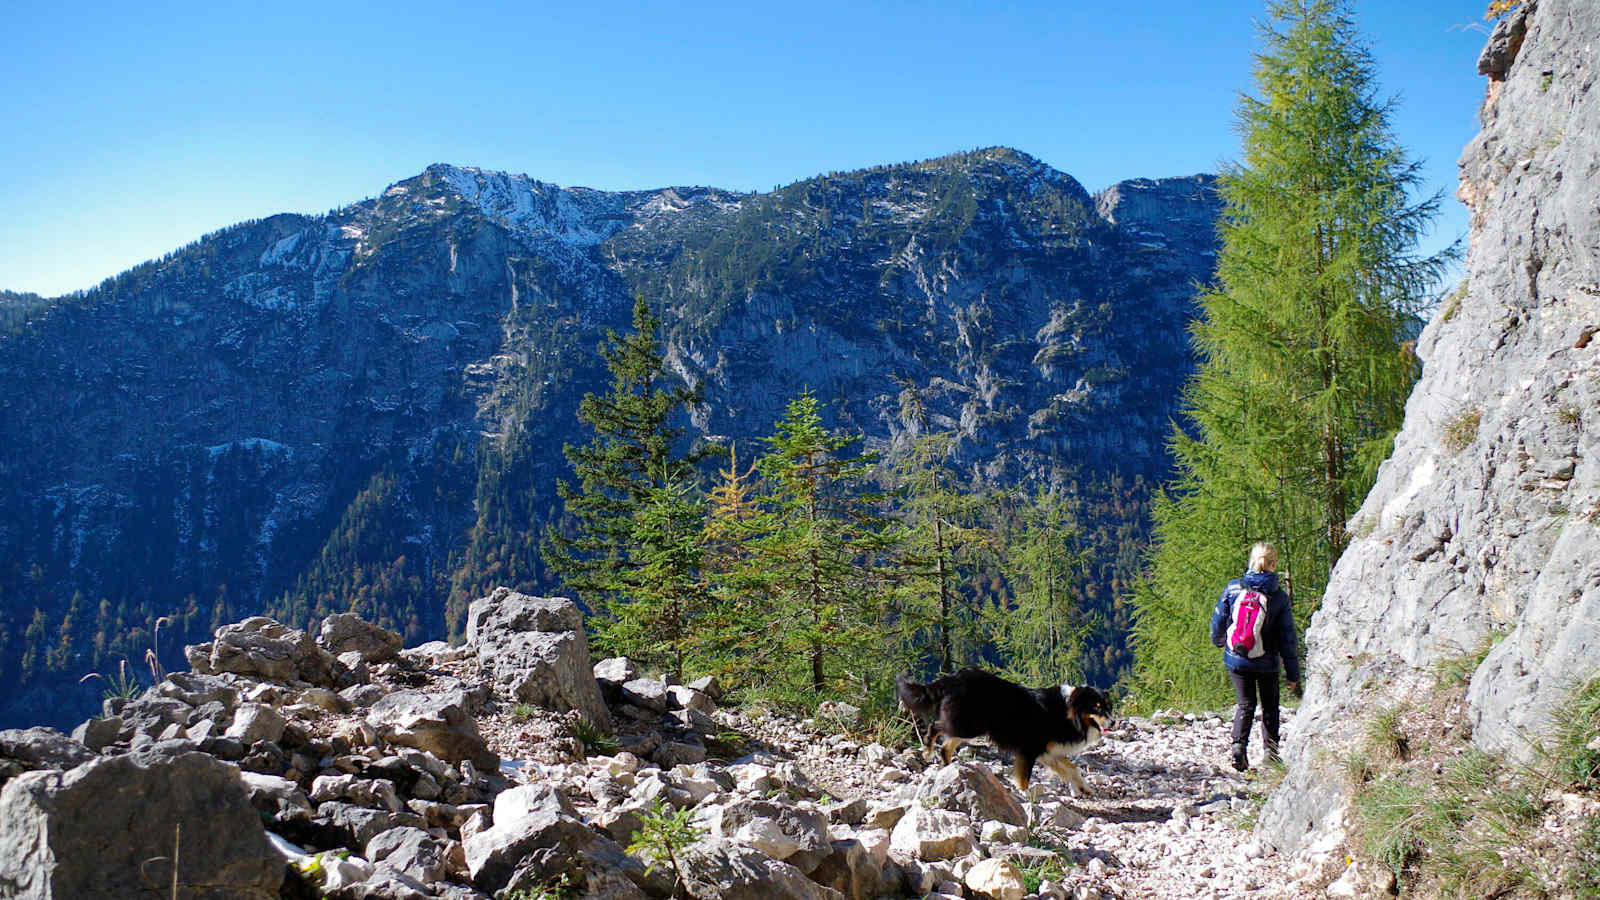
522, 712
558, 888
1452, 304
1545, 81
1569, 415
727, 745
1358, 767
1456, 671
121, 686
1462, 430
594, 741
663, 835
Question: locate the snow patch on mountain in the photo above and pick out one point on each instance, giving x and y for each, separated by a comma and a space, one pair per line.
578, 217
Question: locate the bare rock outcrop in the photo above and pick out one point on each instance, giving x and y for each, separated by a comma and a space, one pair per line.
1483, 530
118, 826
535, 650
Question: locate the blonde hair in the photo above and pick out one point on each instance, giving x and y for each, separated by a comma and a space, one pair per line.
1263, 557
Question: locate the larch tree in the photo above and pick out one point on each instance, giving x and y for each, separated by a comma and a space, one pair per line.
1304, 339
942, 542
1041, 630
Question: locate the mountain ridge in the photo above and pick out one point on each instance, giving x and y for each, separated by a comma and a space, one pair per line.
390, 383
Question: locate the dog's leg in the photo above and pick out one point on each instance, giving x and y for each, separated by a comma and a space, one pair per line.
1070, 774
949, 747
1022, 769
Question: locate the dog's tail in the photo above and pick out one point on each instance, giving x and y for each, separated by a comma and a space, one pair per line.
916, 697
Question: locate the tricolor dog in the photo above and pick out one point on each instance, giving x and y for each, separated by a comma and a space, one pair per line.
1050, 724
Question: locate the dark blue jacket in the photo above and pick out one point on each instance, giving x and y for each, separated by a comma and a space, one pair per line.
1278, 632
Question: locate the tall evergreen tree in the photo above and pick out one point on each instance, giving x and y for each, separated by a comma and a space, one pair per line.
1303, 341
941, 546
632, 459
1041, 632
822, 544
658, 616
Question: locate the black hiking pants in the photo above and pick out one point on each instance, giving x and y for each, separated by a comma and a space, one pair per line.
1246, 685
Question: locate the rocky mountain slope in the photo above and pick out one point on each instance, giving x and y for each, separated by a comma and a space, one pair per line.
368, 406
1480, 544
337, 765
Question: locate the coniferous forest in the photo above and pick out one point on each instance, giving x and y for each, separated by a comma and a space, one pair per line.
1016, 425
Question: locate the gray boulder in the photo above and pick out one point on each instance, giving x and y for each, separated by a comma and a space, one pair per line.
412, 851
646, 693
932, 834
683, 752
264, 649
349, 825
98, 733
617, 670
347, 632
797, 836
198, 690
256, 722
720, 870
974, 790
43, 748
534, 649
852, 870
277, 798
114, 826
438, 723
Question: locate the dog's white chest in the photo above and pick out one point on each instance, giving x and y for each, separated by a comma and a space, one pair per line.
1067, 750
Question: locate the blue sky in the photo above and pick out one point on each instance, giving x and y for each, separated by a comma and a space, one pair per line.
132, 129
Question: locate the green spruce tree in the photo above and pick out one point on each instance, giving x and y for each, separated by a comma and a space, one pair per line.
658, 617
632, 459
1303, 342
822, 544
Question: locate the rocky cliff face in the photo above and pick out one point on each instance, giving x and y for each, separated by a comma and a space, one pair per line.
381, 388
1483, 530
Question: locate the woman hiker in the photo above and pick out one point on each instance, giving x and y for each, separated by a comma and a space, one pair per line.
1254, 626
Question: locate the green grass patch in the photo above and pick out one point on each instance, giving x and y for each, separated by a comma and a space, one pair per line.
595, 742
1575, 753
1039, 870
1456, 671
1585, 877
1385, 738
1455, 821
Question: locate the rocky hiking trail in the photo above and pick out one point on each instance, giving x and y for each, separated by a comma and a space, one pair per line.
1167, 816
338, 765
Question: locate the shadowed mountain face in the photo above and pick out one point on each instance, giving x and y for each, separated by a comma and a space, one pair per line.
299, 413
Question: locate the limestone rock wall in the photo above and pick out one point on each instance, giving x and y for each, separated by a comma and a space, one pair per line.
1485, 523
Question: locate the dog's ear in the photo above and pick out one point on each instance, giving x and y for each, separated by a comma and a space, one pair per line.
1074, 698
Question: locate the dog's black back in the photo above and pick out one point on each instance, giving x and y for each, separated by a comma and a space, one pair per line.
1026, 722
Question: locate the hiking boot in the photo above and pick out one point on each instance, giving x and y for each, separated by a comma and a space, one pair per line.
1272, 755
1240, 760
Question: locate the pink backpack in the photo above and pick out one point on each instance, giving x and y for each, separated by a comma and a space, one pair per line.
1244, 628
